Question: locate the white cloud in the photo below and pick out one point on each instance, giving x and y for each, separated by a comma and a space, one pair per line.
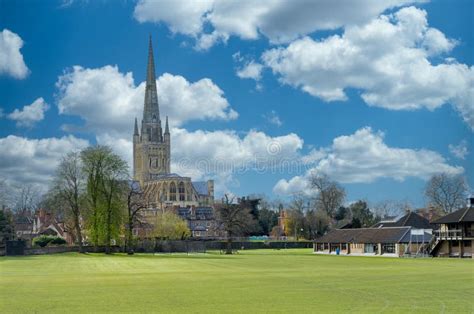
228, 148
280, 21
248, 69
223, 154
185, 101
30, 114
11, 59
388, 59
460, 151
33, 161
296, 185
273, 118
363, 157
251, 70
108, 100
186, 17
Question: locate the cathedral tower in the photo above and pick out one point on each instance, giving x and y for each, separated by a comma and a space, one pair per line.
151, 148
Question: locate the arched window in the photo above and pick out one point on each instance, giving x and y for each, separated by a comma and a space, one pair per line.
164, 196
172, 191
182, 194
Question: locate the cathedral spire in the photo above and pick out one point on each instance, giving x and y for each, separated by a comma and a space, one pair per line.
167, 128
150, 70
135, 130
151, 110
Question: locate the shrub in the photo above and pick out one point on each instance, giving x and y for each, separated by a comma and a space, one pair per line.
58, 241
44, 240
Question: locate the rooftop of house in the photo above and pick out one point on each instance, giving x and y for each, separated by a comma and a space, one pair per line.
461, 215
372, 235
200, 213
410, 219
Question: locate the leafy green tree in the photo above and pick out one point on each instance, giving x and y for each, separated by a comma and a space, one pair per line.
170, 226
342, 213
113, 185
7, 228
93, 159
106, 175
267, 219
362, 216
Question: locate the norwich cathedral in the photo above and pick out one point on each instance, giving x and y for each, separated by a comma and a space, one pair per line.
152, 159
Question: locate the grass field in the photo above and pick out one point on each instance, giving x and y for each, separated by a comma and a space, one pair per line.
252, 281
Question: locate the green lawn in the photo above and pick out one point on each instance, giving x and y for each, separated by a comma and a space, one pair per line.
252, 281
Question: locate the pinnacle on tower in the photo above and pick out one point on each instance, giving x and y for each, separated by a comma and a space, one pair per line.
167, 128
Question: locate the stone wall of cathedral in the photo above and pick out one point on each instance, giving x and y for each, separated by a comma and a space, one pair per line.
150, 160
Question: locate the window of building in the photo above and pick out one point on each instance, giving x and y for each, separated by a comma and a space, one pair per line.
344, 246
182, 194
172, 191
467, 243
388, 248
369, 248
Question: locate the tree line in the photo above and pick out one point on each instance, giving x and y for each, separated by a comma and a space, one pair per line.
94, 194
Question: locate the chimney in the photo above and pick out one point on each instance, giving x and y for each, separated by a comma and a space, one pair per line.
471, 202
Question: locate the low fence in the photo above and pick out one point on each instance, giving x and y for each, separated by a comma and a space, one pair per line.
166, 246
67, 249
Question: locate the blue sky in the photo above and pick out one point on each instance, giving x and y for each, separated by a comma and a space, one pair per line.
377, 96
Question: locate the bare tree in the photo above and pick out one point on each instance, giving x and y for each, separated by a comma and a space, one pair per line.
69, 184
236, 219
135, 203
388, 208
5, 194
330, 195
446, 192
26, 198
295, 222
316, 222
